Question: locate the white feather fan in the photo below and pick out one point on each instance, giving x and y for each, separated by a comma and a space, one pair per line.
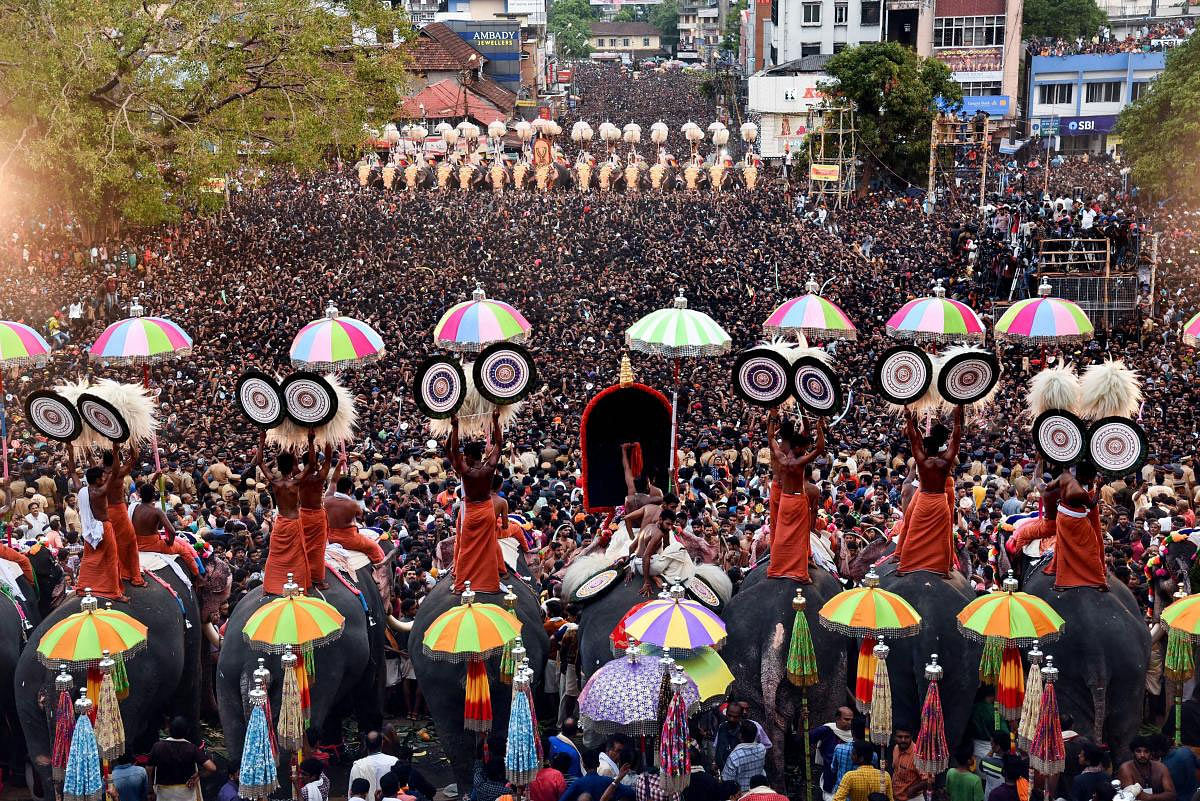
451, 137
659, 133
632, 133
135, 404
577, 131
720, 137
524, 130
496, 129
336, 432
586, 133
1053, 388
418, 132
931, 402
442, 128
749, 131
1109, 389
693, 134
475, 416
715, 126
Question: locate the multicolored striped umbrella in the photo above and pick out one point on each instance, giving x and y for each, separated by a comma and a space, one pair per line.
140, 340
294, 620
676, 624
1014, 618
624, 696
1044, 320
470, 631
1191, 331
1183, 615
811, 315
710, 673
335, 342
936, 319
868, 611
20, 345
89, 635
677, 332
472, 325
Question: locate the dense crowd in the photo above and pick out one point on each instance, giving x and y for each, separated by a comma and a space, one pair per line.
1148, 38
582, 268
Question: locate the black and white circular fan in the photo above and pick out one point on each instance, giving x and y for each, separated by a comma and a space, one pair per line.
504, 373
308, 400
103, 417
816, 387
902, 374
53, 416
440, 387
259, 399
1059, 436
761, 377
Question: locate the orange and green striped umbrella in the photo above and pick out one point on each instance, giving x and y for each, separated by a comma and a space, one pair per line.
1184, 616
868, 611
295, 620
86, 637
1014, 618
470, 631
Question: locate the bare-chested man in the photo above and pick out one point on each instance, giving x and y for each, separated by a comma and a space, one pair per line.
118, 515
311, 487
99, 569
341, 512
634, 499
651, 541
285, 553
791, 546
148, 520
927, 541
477, 556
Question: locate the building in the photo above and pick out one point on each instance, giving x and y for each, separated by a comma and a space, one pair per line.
627, 40
782, 97
1078, 98
700, 31
451, 82
801, 28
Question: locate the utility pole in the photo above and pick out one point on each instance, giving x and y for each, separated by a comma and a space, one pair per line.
1046, 178
984, 151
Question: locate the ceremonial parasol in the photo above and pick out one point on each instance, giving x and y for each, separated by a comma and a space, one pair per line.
472, 325
335, 342
1044, 320
1004, 621
674, 757
1182, 619
89, 635
522, 752
676, 624
1191, 332
83, 779
257, 776
708, 671
20, 345
932, 752
802, 669
293, 620
936, 319
625, 695
1047, 754
811, 315
677, 332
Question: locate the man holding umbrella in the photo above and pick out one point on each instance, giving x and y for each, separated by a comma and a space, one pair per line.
477, 555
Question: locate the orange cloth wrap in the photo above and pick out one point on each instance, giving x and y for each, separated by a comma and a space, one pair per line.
285, 554
1079, 551
316, 534
99, 568
477, 555
13, 555
351, 540
927, 542
127, 546
792, 547
776, 494
180, 548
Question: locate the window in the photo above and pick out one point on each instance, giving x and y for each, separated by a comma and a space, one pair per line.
612, 42
645, 41
839, 47
968, 31
841, 13
870, 13
810, 49
812, 14
1056, 92
1137, 89
976, 88
1106, 92
625, 42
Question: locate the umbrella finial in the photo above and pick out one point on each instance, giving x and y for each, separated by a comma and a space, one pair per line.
89, 602
468, 594
63, 682
1035, 654
677, 592
939, 291
799, 602
933, 671
1049, 672
83, 705
1180, 593
478, 294
626, 371
519, 653
681, 301
290, 588
1010, 582
811, 286
881, 650
331, 311
261, 674
1044, 289
107, 663
871, 579
135, 308
258, 696
510, 597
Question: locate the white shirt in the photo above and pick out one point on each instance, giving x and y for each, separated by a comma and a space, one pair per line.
371, 767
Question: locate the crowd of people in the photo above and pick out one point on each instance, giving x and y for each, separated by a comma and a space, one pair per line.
582, 268
1148, 38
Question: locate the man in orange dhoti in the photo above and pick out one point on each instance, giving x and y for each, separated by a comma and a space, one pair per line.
1079, 548
341, 511
99, 569
927, 540
118, 515
285, 552
148, 520
477, 556
791, 546
311, 486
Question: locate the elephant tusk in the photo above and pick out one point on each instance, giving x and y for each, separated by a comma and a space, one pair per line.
397, 625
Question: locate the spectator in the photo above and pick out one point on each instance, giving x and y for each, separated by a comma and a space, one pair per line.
747, 759
373, 765
175, 764
550, 782
963, 784
129, 779
865, 780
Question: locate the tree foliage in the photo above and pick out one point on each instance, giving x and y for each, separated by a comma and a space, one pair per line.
124, 110
1161, 131
571, 23
1065, 19
731, 41
893, 90
665, 17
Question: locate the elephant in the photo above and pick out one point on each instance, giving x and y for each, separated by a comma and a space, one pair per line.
636, 178
759, 621
522, 173
350, 672
163, 678
937, 600
17, 619
446, 705
582, 174
552, 176
1102, 677
418, 176
695, 177
610, 177
499, 178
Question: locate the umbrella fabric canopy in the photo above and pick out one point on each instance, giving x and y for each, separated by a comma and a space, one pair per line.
676, 624
83, 638
472, 325
623, 696
678, 331
936, 319
293, 620
1183, 615
868, 611
710, 673
334, 342
1016, 618
1191, 331
140, 340
470, 630
1044, 320
21, 345
811, 315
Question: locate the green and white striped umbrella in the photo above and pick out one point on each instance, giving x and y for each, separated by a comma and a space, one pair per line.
678, 331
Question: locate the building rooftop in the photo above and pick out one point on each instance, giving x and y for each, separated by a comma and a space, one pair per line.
800, 65
624, 29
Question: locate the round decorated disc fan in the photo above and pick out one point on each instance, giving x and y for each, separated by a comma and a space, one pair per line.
1117, 446
504, 373
816, 386
902, 374
968, 377
53, 416
308, 400
762, 377
440, 387
259, 399
103, 417
1059, 436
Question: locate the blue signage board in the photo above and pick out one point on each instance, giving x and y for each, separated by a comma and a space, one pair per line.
1083, 126
992, 105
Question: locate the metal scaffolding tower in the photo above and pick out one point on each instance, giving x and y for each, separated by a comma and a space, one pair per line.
831, 153
951, 139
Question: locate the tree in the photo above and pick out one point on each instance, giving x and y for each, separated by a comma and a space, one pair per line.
893, 89
1062, 19
626, 14
732, 41
571, 23
1161, 130
665, 17
126, 110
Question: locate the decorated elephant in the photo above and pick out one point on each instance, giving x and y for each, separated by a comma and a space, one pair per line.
759, 621
610, 177
418, 176
1102, 678
470, 177
583, 174
163, 678
554, 175
695, 177
666, 178
499, 177
636, 178
522, 174
446, 705
350, 672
